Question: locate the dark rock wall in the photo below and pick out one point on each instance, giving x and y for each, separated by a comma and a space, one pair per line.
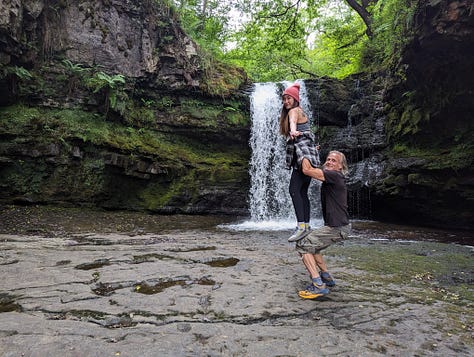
429, 176
109, 103
408, 133
179, 142
351, 119
126, 37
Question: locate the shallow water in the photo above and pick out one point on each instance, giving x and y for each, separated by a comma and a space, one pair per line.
105, 283
387, 231
54, 221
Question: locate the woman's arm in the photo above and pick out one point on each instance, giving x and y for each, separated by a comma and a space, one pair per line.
293, 117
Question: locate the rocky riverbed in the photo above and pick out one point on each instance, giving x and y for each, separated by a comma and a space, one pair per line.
87, 283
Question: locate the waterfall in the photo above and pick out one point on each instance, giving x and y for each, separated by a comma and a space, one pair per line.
269, 199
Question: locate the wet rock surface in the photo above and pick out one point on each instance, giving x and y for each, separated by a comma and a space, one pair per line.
77, 282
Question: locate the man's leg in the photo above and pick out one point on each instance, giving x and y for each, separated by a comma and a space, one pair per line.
325, 276
318, 258
311, 265
317, 287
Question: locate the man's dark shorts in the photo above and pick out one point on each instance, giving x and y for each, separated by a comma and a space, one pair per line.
321, 238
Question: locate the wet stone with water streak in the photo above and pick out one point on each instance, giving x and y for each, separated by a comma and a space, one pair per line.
208, 291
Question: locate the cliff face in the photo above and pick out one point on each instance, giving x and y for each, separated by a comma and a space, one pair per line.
126, 37
352, 119
408, 133
430, 175
109, 103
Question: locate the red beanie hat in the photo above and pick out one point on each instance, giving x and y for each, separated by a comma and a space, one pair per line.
293, 91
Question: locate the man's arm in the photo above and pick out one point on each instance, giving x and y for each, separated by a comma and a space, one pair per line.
311, 171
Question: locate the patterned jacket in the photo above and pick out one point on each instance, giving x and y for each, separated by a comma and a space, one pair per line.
303, 146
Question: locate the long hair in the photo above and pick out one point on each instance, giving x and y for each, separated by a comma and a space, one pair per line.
345, 167
284, 122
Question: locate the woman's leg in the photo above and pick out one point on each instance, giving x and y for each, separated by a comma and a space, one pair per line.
296, 186
305, 199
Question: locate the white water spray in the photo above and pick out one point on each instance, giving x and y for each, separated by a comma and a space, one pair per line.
270, 202
269, 178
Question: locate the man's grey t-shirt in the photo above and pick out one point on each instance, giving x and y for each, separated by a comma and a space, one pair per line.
334, 199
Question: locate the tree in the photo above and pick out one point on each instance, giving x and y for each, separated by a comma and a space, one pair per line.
299, 38
206, 22
292, 8
296, 39
363, 9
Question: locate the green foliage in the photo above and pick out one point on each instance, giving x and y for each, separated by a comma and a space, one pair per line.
206, 22
267, 45
236, 118
74, 68
220, 79
290, 40
165, 102
337, 51
16, 119
76, 73
409, 122
201, 110
66, 125
392, 20
286, 39
456, 156
18, 79
102, 80
18, 72
139, 116
112, 86
210, 115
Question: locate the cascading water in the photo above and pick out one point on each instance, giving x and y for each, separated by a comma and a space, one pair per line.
270, 202
269, 179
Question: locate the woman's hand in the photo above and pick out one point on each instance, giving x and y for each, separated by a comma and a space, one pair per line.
294, 134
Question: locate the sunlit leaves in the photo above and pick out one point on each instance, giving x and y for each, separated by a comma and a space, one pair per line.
289, 39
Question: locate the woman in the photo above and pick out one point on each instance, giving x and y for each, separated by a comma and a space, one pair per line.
300, 144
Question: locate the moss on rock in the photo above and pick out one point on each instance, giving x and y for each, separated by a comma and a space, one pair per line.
69, 155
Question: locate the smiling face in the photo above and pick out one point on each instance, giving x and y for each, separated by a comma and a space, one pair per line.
333, 162
288, 101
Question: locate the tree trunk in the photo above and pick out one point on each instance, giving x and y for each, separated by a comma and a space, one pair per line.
363, 13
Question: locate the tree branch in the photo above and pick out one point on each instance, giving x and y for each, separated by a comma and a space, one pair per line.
353, 42
297, 69
363, 13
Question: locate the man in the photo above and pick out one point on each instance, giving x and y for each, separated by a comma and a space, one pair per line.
336, 222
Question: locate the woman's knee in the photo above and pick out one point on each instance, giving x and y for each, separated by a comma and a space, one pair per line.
293, 193
294, 188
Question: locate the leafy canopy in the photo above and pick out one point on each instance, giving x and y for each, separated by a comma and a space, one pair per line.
288, 39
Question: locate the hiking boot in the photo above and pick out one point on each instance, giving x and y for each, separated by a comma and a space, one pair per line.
313, 291
299, 234
327, 279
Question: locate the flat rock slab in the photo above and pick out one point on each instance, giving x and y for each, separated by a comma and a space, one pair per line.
212, 292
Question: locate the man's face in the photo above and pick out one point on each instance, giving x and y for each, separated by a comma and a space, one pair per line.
333, 162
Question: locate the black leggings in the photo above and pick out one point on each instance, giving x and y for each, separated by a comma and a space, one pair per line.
299, 185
